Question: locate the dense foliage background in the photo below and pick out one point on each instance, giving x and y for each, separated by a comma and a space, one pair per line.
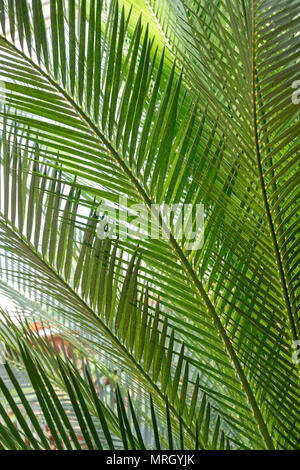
138, 342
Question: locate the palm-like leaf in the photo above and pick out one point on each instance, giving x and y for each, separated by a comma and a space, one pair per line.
91, 98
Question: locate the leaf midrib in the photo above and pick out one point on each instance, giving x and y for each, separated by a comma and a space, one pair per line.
263, 188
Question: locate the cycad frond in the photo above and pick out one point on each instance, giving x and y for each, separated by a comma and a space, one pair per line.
93, 112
